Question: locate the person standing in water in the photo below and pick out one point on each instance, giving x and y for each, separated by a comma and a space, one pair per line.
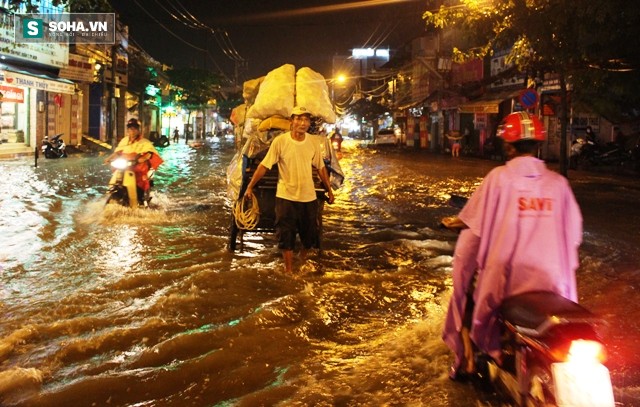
296, 205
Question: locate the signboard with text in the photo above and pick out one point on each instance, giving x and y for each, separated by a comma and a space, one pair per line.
67, 28
30, 81
11, 94
50, 54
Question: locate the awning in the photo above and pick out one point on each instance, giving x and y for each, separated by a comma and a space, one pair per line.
489, 103
17, 77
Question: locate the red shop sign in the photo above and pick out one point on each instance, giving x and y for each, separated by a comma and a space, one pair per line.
11, 94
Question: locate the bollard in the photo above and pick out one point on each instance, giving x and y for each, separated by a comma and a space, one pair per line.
36, 156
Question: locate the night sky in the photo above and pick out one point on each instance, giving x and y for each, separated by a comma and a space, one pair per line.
267, 34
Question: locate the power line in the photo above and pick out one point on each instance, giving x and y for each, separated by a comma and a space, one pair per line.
186, 18
167, 29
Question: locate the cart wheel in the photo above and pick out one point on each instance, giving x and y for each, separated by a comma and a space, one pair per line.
233, 235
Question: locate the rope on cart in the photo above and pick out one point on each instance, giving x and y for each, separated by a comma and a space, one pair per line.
246, 218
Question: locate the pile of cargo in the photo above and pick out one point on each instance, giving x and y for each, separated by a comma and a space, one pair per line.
266, 112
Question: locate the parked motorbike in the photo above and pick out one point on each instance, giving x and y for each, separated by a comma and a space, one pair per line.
586, 153
122, 185
54, 148
552, 353
158, 140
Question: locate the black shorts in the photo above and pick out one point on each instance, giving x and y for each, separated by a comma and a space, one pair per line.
296, 217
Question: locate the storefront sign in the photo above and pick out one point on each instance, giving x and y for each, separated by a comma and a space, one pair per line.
79, 69
11, 94
469, 71
36, 82
44, 53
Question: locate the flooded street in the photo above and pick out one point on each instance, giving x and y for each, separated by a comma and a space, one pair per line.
117, 307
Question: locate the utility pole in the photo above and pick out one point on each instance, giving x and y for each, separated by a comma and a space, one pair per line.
113, 105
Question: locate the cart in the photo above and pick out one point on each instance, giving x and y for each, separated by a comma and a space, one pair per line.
265, 192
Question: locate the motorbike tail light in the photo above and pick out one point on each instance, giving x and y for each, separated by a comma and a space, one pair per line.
585, 351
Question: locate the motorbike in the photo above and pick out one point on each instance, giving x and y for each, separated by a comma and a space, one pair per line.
552, 352
54, 148
158, 140
122, 185
586, 153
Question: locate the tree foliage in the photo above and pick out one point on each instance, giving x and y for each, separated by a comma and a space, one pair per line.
75, 6
586, 42
546, 34
366, 111
142, 72
226, 105
198, 87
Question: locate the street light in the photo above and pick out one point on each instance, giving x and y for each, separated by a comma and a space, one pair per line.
340, 80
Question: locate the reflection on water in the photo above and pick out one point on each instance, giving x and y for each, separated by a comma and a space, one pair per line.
113, 306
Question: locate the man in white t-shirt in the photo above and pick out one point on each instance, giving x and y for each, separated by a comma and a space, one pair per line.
296, 203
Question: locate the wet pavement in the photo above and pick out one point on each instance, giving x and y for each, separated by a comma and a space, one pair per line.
119, 307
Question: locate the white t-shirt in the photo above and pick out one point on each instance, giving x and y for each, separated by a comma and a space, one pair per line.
295, 160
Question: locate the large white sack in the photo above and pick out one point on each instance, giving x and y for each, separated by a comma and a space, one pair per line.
238, 114
250, 89
312, 92
276, 94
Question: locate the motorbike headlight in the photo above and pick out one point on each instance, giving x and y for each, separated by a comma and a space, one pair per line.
120, 163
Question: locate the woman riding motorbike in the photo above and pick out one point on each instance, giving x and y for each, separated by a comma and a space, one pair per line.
136, 147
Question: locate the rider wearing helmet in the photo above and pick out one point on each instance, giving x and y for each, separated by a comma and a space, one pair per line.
523, 230
135, 146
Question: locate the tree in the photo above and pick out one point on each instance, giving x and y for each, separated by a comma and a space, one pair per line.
226, 105
366, 111
143, 76
75, 6
582, 41
198, 88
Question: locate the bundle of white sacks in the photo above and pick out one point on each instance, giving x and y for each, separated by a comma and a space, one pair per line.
269, 101
271, 98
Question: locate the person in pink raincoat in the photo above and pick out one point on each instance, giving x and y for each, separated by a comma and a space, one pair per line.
523, 230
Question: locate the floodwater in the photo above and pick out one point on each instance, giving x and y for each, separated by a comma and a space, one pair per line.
117, 307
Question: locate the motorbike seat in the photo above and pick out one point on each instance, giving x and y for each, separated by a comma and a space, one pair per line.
534, 313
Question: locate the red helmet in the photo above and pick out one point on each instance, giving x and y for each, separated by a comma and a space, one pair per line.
521, 126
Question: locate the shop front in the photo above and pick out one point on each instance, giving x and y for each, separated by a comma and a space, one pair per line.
486, 113
35, 105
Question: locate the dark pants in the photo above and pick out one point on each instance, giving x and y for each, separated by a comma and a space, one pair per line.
296, 217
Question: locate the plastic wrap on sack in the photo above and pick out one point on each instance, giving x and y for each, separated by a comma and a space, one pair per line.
312, 92
250, 89
275, 122
276, 95
336, 176
234, 177
238, 114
